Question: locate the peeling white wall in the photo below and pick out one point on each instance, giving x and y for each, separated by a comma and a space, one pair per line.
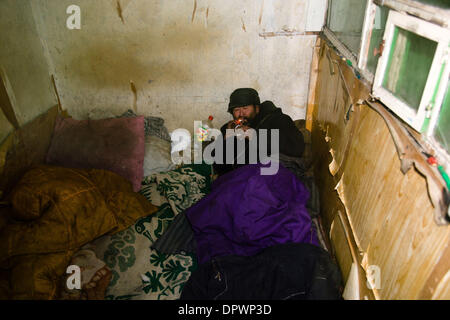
183, 57
23, 64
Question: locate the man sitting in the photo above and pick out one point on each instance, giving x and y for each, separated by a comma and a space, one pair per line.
249, 113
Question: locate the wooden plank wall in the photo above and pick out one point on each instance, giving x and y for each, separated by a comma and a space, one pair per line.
374, 214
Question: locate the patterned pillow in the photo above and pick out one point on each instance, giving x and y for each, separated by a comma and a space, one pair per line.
142, 273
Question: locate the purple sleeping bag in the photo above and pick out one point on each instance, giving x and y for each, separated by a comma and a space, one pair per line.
246, 212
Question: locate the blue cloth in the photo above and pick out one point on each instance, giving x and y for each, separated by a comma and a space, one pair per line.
246, 212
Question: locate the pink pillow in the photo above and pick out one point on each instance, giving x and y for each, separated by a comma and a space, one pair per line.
116, 144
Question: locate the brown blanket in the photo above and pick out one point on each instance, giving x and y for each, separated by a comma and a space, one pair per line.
54, 212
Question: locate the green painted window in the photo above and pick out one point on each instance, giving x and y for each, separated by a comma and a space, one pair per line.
410, 60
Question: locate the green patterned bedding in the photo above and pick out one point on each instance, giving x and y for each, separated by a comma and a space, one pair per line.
142, 273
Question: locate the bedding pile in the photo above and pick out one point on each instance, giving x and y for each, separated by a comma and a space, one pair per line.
255, 240
138, 271
87, 191
246, 212
54, 212
111, 203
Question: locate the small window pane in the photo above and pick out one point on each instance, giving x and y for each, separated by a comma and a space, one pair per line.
442, 131
345, 19
408, 66
376, 38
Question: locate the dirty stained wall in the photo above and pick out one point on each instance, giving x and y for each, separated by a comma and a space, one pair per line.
183, 58
23, 65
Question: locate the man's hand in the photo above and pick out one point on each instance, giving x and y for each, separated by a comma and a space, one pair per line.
243, 131
231, 124
244, 127
237, 123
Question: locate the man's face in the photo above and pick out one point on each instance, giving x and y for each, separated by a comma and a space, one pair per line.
246, 112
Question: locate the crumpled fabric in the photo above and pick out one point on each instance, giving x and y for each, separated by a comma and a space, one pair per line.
154, 126
246, 212
55, 211
290, 271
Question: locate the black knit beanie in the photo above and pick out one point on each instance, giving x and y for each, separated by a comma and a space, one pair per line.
243, 97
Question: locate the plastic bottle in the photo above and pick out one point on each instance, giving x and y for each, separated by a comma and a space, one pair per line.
201, 137
203, 130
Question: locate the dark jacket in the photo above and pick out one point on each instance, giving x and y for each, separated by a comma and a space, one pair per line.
291, 142
291, 271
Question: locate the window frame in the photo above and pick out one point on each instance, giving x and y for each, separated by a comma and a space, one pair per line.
416, 119
357, 59
369, 19
441, 153
427, 14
